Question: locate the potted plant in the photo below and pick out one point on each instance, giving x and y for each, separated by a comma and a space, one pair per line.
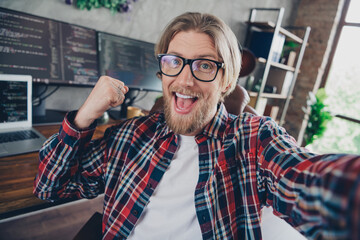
319, 116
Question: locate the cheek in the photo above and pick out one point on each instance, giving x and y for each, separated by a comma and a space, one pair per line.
212, 91
166, 82
165, 85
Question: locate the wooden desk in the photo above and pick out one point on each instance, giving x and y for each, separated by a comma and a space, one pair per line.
17, 174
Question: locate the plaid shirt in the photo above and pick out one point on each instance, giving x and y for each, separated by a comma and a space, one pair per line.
245, 163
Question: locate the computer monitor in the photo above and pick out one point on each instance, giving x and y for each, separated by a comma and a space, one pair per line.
131, 61
15, 101
52, 52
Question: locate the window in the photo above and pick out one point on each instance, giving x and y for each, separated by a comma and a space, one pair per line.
343, 88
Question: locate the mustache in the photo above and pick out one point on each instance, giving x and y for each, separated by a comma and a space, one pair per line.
185, 91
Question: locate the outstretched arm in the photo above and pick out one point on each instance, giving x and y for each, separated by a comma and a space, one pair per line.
319, 195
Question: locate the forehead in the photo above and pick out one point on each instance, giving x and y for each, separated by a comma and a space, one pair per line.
192, 44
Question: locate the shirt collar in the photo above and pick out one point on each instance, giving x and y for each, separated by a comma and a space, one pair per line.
216, 127
162, 127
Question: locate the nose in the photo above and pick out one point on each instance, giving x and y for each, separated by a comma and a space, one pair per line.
185, 78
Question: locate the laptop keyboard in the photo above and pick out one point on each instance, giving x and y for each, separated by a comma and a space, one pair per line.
17, 136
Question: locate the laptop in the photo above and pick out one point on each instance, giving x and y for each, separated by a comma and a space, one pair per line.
16, 133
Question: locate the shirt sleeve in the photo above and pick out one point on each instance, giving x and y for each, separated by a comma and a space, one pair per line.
317, 194
70, 164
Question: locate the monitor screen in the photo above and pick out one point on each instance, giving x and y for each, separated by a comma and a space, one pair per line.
50, 51
13, 99
131, 61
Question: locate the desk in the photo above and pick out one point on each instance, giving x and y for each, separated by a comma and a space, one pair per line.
17, 174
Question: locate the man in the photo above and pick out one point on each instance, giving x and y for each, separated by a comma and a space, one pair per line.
197, 172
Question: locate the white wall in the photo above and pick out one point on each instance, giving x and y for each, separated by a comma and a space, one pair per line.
145, 22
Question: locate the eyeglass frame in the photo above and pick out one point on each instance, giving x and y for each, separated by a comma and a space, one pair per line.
190, 62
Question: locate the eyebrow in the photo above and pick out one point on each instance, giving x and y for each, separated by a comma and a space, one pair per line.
200, 56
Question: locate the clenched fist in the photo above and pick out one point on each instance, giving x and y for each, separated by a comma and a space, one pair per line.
108, 92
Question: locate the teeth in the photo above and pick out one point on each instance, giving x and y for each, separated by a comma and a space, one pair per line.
183, 96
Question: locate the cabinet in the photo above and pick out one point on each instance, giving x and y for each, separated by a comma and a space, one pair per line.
279, 71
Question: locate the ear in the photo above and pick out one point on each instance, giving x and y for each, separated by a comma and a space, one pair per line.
226, 88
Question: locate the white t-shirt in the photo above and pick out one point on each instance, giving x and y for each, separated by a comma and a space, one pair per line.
171, 213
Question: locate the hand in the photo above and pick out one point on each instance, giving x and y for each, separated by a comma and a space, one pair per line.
108, 92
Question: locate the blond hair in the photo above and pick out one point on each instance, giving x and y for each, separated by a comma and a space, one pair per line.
225, 41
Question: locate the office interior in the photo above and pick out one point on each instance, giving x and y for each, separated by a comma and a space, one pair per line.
24, 217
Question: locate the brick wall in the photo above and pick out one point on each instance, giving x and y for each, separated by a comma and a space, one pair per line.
322, 16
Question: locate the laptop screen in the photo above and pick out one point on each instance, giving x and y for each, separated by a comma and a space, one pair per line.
15, 100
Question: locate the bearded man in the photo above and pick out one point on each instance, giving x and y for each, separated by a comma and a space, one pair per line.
195, 171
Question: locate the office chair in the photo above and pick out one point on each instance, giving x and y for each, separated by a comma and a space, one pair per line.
92, 230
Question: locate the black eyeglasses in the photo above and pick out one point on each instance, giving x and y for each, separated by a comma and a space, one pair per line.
202, 69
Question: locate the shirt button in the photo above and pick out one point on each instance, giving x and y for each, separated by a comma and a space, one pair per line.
149, 186
135, 212
203, 218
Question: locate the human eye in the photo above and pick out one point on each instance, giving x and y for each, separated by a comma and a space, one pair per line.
175, 62
172, 61
205, 66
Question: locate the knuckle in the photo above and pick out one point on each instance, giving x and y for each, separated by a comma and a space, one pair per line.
103, 77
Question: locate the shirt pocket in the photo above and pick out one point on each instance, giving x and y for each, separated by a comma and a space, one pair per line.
226, 185
237, 183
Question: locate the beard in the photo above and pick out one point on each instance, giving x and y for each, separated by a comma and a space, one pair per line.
194, 121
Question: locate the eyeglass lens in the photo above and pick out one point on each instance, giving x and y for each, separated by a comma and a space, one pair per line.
201, 68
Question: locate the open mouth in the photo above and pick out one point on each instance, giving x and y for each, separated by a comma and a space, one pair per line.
184, 103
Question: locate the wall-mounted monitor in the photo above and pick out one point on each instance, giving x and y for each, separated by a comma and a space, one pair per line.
52, 52
131, 61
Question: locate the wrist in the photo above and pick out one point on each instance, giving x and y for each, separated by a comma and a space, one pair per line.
77, 135
81, 121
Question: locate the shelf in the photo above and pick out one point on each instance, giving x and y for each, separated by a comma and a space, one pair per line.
278, 65
271, 26
274, 73
283, 66
268, 95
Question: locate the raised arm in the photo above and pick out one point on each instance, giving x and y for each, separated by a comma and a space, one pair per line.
108, 92
70, 164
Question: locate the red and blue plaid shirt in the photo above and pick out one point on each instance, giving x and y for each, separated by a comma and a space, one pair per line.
245, 162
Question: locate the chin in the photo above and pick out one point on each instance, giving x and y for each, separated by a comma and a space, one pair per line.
189, 123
